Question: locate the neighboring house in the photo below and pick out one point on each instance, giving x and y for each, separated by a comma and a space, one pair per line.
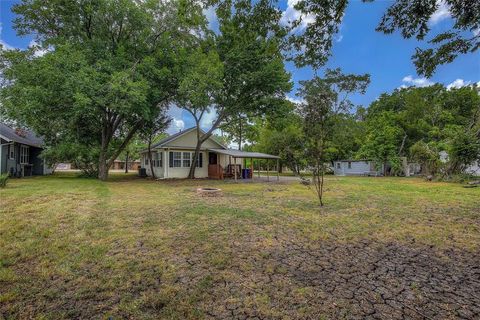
473, 169
172, 157
356, 168
63, 166
20, 153
120, 165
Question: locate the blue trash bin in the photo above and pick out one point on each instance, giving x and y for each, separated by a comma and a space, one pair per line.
246, 174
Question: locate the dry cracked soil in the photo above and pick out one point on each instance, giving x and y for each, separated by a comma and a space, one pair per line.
333, 280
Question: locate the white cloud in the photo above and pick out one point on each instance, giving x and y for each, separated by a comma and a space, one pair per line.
207, 119
211, 15
291, 14
38, 50
417, 82
294, 100
177, 124
458, 84
442, 13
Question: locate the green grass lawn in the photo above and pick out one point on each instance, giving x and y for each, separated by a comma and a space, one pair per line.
136, 248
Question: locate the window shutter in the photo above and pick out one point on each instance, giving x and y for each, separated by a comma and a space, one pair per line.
200, 160
170, 159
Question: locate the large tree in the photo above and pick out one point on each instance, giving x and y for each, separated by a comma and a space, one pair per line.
110, 65
418, 123
254, 80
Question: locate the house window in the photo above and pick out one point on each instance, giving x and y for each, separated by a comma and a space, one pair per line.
175, 159
338, 165
349, 165
187, 156
11, 151
146, 160
199, 163
157, 159
24, 154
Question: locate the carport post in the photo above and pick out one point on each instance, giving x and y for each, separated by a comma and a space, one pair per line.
251, 167
258, 167
268, 169
278, 170
235, 166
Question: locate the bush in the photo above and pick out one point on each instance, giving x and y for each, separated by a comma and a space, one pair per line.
3, 180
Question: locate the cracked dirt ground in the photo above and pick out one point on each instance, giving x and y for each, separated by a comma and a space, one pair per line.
328, 280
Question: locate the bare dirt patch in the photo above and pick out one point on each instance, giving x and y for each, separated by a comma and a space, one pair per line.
362, 280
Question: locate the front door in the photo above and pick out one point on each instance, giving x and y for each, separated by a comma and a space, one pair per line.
212, 158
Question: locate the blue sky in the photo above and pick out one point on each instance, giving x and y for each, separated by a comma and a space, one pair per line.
358, 49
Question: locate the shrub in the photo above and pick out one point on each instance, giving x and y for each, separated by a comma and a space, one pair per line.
3, 180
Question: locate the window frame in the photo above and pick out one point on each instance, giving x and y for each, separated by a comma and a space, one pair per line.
199, 162
24, 154
176, 159
349, 165
186, 161
157, 159
11, 151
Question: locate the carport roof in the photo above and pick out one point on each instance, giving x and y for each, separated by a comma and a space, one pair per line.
244, 154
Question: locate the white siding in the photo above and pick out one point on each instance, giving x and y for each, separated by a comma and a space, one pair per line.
356, 168
223, 160
159, 171
189, 140
182, 172
474, 169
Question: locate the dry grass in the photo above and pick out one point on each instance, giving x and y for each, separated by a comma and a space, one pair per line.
132, 248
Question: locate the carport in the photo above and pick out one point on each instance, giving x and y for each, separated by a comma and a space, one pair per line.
238, 154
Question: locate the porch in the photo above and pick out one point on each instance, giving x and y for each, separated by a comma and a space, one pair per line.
221, 166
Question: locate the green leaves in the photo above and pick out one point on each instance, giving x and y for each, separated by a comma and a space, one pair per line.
110, 70
412, 18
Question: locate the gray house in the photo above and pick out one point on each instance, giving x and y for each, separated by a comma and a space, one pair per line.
356, 168
20, 153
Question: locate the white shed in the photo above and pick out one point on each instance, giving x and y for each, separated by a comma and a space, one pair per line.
357, 168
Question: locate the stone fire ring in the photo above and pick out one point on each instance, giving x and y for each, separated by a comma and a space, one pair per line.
209, 192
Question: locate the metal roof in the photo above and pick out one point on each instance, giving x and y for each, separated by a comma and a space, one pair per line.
353, 160
244, 154
29, 138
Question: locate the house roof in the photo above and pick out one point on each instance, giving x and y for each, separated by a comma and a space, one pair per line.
354, 160
28, 138
177, 135
244, 154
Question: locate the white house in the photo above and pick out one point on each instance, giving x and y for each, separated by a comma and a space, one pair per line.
473, 169
172, 158
356, 168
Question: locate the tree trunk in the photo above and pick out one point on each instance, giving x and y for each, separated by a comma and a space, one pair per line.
150, 160
193, 165
240, 134
102, 160
102, 166
126, 162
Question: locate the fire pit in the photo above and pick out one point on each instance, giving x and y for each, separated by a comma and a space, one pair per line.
209, 192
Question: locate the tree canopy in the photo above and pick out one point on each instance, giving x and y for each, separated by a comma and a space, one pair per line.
109, 69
